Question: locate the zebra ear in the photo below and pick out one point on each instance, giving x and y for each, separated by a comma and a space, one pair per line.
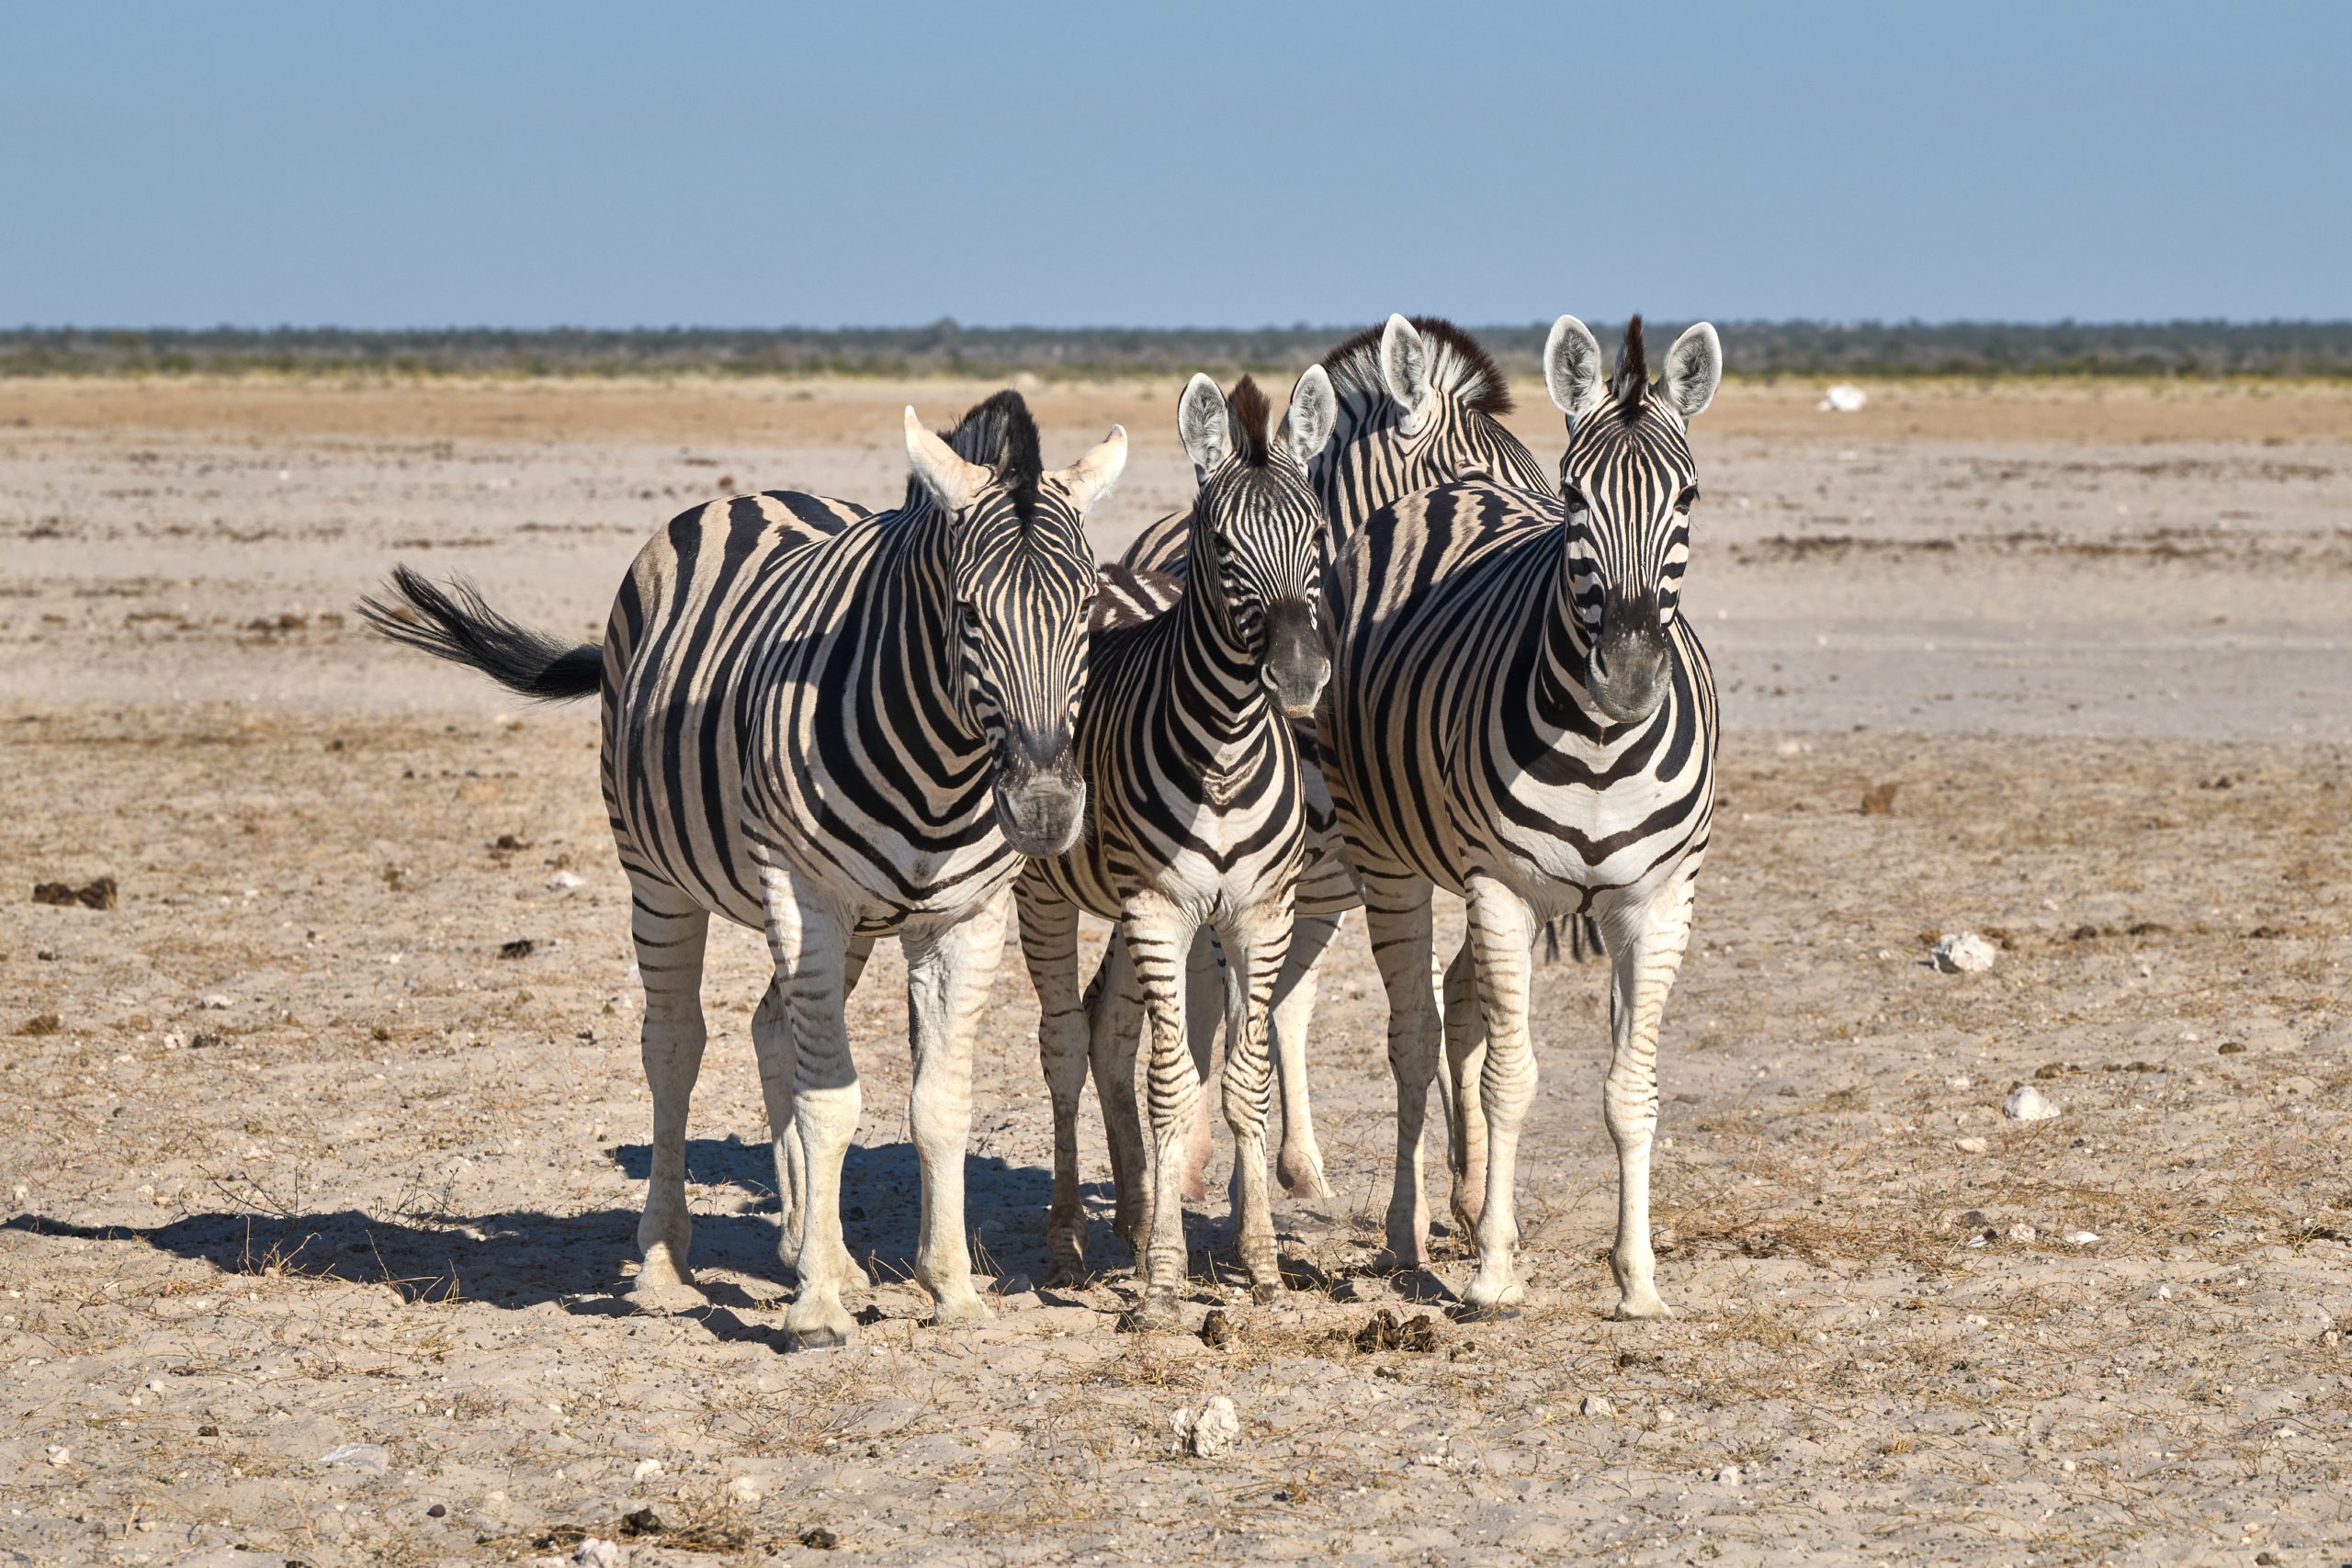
1201, 425
1572, 368
951, 482
1694, 367
1405, 370
1091, 479
1313, 409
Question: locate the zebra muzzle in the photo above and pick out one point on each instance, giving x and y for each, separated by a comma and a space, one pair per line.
1040, 796
1631, 663
1296, 664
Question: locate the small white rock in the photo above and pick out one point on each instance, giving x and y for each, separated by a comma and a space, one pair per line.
1210, 1430
596, 1552
1595, 1405
647, 1469
217, 1002
2022, 1232
2027, 1103
1844, 398
1959, 1081
565, 880
60, 1454
1970, 1146
2164, 1292
373, 1458
1728, 1475
1962, 953
2082, 1239
744, 1489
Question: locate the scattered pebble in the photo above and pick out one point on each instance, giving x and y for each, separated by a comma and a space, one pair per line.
565, 880
60, 1454
595, 1551
744, 1489
1962, 953
97, 895
1208, 1431
1595, 1405
1728, 1475
217, 1002
647, 1469
1843, 398
2022, 1232
818, 1538
438, 1511
2081, 1238
373, 1458
2027, 1103
521, 947
1970, 1146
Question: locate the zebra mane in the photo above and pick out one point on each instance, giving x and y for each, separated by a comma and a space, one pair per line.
1457, 365
1001, 434
1246, 415
1632, 382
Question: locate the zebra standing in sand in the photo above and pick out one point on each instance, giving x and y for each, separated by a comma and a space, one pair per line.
1199, 823
1419, 404
835, 727
1520, 715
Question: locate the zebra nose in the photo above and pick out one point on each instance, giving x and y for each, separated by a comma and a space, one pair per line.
1040, 794
1296, 665
1630, 658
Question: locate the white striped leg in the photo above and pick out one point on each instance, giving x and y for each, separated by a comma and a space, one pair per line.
1115, 1027
1465, 1057
1204, 982
1397, 917
669, 929
1502, 938
771, 1045
1644, 943
1158, 940
1300, 1168
950, 971
1049, 946
1256, 941
810, 941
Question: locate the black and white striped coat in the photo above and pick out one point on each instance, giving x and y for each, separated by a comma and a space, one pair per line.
1198, 821
832, 726
1519, 714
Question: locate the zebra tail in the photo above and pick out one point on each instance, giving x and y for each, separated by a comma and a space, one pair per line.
455, 623
1584, 939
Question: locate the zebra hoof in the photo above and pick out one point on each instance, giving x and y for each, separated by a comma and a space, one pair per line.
1301, 1175
665, 1298
1158, 1313
1643, 1307
1498, 1312
819, 1330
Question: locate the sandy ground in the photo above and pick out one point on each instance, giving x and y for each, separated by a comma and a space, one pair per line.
296, 1158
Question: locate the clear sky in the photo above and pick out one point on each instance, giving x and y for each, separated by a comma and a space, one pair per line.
744, 164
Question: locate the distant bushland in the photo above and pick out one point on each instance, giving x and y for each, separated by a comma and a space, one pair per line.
2136, 349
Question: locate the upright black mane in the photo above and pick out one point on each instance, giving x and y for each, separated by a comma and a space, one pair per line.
1246, 414
1001, 434
1457, 365
1633, 370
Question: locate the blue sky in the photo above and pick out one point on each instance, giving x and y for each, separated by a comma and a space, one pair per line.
426, 165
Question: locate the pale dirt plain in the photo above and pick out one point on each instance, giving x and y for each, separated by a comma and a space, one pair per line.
291, 1158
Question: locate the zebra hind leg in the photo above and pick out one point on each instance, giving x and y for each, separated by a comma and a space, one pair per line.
669, 929
1205, 977
1300, 1165
1397, 917
1159, 941
1114, 1013
1049, 944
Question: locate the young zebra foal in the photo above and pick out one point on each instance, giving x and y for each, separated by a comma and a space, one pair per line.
1199, 819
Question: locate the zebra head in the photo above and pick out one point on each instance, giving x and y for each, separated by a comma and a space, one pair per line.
1629, 482
1019, 581
1257, 537
1422, 405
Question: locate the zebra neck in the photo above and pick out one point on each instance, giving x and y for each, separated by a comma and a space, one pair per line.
1559, 688
1216, 698
907, 626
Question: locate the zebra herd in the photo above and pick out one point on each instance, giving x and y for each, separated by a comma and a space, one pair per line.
1380, 654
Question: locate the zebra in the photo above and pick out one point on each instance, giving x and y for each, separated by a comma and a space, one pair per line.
1519, 714
1419, 404
1198, 823
833, 727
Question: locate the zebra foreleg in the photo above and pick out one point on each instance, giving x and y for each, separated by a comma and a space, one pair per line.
1466, 1058
1049, 944
810, 943
1114, 1024
1256, 943
1159, 941
1397, 917
1645, 944
670, 931
1205, 979
950, 970
1300, 1168
1502, 938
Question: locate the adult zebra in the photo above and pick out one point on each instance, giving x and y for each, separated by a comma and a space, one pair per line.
1419, 404
1519, 714
835, 727
1199, 823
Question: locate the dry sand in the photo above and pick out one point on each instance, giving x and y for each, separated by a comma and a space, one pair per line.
297, 1160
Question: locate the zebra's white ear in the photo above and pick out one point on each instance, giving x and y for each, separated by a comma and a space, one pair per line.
1405, 370
1201, 425
1313, 409
1694, 367
1091, 479
1572, 368
951, 482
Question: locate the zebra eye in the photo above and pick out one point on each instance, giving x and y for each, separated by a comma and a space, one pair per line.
1575, 498
1687, 499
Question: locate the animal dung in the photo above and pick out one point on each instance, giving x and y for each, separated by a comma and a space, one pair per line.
1962, 953
1417, 1334
521, 947
2027, 1103
1216, 1331
99, 894
1879, 799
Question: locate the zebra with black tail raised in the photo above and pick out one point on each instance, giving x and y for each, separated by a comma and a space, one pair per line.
1520, 714
1420, 404
1199, 823
833, 727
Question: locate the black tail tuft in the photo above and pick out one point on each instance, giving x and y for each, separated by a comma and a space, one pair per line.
453, 623
1584, 940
